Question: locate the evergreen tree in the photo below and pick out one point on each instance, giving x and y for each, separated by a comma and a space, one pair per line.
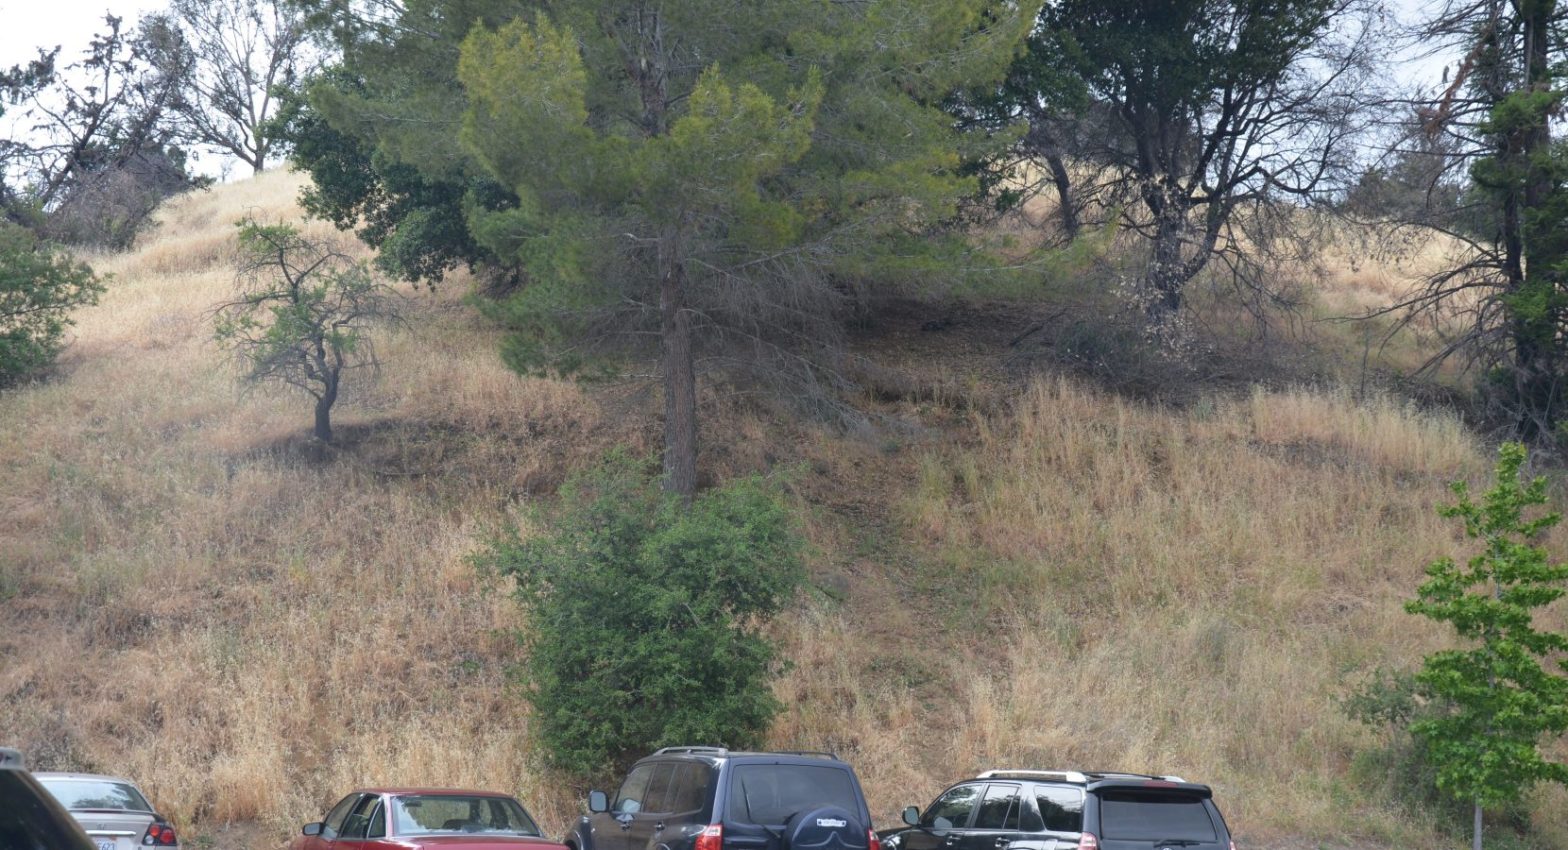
714, 174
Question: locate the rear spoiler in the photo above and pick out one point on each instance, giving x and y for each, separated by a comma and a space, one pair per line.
1191, 789
12, 759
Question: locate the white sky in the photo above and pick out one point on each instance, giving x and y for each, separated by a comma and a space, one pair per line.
26, 25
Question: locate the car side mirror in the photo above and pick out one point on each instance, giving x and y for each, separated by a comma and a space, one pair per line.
598, 802
912, 816
311, 829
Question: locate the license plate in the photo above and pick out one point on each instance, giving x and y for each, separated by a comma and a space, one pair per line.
106, 844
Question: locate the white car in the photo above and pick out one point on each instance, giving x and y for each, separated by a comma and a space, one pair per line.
114, 813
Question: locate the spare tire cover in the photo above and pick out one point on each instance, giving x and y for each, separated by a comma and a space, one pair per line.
827, 828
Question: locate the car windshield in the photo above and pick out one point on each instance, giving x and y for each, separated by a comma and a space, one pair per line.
769, 793
430, 814
96, 794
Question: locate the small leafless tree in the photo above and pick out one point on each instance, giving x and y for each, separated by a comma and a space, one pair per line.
303, 313
238, 52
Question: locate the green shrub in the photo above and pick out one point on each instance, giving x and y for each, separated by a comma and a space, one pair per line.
39, 287
645, 614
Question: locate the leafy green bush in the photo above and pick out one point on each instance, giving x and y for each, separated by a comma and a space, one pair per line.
39, 287
645, 614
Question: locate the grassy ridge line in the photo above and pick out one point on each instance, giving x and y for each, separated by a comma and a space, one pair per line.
190, 601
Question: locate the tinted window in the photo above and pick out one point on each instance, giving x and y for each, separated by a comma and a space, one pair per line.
428, 814
953, 808
1062, 808
657, 798
769, 793
629, 798
334, 819
358, 821
95, 794
999, 809
1134, 815
690, 791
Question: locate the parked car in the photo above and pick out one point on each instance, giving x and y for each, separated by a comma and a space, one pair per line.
1065, 809
708, 798
114, 813
415, 818
30, 818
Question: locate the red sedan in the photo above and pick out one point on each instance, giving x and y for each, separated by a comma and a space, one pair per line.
419, 818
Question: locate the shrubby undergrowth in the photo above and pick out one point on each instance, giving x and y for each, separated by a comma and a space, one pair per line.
646, 614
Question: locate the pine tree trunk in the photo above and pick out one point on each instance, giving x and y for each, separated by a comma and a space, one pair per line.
680, 379
1064, 194
1475, 839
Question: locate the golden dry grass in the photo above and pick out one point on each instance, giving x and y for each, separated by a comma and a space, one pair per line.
1067, 580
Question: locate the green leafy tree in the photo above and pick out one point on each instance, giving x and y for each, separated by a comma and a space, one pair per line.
645, 616
716, 175
40, 285
303, 314
1501, 698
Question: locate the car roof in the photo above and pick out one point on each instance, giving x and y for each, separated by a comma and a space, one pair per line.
1095, 779
397, 791
716, 754
82, 777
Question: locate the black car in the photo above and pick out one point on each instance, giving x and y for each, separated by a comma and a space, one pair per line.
707, 798
1066, 810
31, 819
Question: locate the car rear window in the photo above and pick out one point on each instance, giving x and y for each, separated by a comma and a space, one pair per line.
1153, 816
769, 793
96, 794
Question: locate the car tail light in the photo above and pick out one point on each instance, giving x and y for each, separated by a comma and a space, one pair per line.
1233, 845
875, 843
711, 837
160, 835
1088, 842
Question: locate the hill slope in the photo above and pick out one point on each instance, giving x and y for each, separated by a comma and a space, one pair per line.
1027, 573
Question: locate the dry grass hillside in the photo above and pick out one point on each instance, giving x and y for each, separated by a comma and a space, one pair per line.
1013, 569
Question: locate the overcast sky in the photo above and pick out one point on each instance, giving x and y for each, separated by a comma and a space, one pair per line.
26, 25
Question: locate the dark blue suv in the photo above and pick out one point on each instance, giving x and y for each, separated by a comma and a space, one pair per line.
708, 798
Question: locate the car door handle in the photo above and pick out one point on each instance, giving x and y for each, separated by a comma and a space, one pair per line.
624, 820
658, 827
1003, 842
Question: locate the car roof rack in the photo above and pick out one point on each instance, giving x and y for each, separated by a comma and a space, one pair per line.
1030, 773
817, 753
1120, 774
712, 751
12, 759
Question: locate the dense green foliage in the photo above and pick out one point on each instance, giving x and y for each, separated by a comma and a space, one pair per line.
303, 313
645, 616
1500, 699
39, 287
